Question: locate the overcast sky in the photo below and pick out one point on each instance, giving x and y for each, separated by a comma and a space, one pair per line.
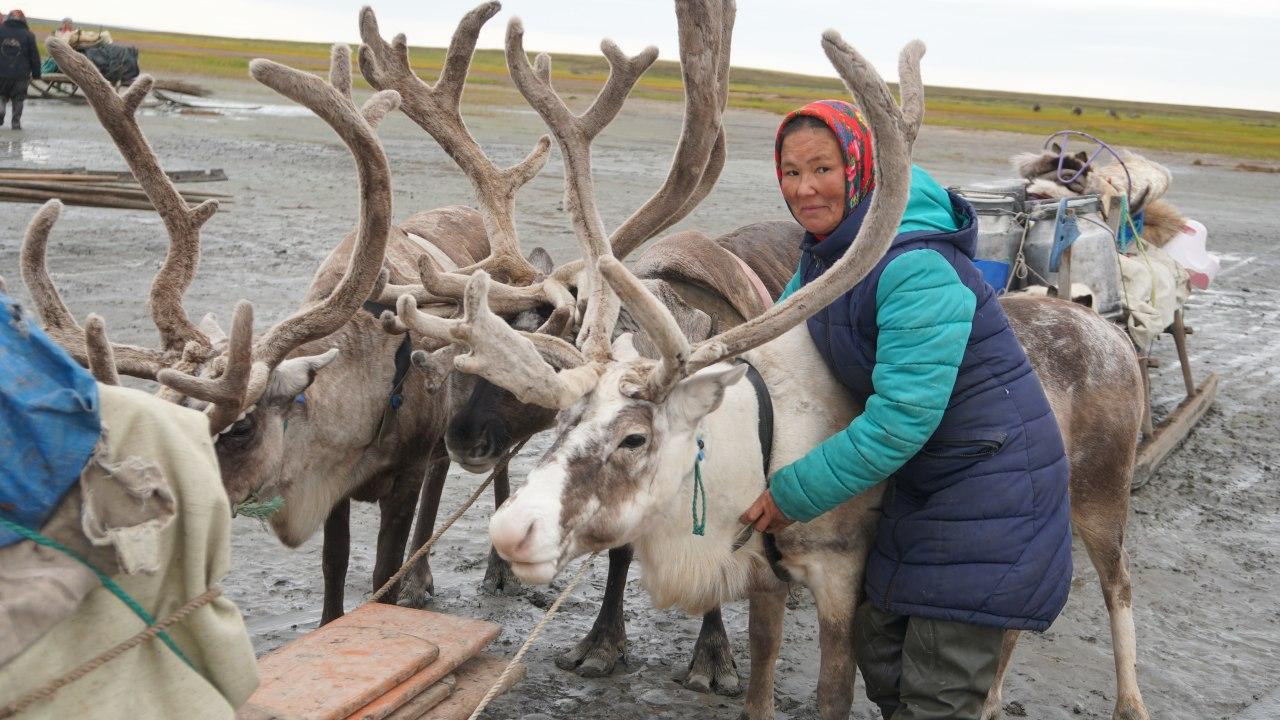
1195, 52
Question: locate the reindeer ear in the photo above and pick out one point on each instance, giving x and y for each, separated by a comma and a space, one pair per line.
1056, 148
1082, 156
699, 395
295, 375
541, 259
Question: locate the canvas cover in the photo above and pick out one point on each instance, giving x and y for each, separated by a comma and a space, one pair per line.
48, 420
150, 441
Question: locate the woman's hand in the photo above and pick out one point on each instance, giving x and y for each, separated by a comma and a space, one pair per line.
764, 515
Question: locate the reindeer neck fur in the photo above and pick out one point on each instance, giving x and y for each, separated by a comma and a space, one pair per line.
700, 572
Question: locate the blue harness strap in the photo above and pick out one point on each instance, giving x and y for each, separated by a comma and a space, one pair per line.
404, 352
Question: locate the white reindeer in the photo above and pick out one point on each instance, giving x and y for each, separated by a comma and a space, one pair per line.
623, 465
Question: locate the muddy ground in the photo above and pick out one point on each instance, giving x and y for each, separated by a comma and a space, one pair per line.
1203, 535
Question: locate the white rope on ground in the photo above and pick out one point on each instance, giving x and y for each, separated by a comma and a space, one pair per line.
426, 547
537, 630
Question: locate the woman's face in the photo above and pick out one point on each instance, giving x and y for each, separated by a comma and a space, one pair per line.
813, 179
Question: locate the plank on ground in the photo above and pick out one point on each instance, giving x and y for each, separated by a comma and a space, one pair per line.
426, 701
335, 670
474, 680
459, 640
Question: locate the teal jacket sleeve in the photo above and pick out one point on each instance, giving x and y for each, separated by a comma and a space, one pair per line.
791, 287
924, 314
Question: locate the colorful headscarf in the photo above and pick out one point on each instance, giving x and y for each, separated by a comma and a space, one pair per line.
853, 137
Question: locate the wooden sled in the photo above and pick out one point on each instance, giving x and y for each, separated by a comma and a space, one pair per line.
1160, 440
55, 86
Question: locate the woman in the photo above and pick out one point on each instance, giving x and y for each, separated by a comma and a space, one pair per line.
974, 537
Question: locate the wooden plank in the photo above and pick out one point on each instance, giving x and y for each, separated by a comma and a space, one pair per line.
1173, 430
459, 640
339, 668
426, 701
474, 680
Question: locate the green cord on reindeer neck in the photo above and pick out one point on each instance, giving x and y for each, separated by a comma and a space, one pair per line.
106, 581
699, 489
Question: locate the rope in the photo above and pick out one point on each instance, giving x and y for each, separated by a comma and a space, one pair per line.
699, 490
156, 629
510, 669
426, 547
106, 581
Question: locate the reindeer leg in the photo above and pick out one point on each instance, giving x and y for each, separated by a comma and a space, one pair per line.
765, 633
835, 588
994, 707
334, 557
1106, 549
597, 654
419, 585
498, 577
397, 509
712, 668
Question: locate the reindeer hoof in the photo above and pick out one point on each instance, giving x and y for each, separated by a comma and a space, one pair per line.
1130, 711
498, 577
596, 655
712, 668
417, 589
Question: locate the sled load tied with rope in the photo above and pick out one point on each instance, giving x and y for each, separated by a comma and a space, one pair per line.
1104, 235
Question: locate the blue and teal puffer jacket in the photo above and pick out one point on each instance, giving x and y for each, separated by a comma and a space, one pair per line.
975, 524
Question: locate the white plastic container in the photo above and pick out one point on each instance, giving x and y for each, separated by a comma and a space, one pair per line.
1189, 248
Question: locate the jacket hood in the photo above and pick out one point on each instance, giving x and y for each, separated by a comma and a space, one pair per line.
16, 23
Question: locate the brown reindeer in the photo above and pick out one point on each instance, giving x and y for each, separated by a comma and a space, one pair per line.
341, 442
621, 467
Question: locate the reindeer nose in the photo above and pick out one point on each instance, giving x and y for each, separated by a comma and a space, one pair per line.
512, 536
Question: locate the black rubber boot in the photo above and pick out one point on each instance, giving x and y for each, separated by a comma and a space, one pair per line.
17, 114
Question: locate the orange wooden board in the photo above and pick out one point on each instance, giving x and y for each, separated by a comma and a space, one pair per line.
474, 680
429, 698
459, 639
338, 669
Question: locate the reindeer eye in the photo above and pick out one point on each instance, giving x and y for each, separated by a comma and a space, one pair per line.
239, 430
631, 442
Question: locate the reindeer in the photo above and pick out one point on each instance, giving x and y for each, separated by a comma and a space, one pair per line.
630, 430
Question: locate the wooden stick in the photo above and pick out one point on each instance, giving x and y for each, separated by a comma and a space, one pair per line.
1180, 340
109, 189
40, 196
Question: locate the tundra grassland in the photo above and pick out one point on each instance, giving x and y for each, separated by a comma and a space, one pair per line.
1233, 133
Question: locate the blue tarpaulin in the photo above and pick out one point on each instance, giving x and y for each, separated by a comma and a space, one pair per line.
48, 420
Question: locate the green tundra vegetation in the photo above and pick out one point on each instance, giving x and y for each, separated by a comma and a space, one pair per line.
1234, 133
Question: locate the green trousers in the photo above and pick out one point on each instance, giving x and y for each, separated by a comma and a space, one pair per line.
921, 669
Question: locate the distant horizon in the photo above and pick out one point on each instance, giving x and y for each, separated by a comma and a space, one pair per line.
1065, 68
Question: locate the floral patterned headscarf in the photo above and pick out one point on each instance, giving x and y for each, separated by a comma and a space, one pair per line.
853, 137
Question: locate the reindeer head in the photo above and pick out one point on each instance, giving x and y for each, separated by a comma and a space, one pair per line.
245, 385
627, 433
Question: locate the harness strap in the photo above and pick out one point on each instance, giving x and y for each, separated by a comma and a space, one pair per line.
764, 401
403, 354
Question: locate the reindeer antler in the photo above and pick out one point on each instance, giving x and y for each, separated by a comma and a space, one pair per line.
436, 110
183, 222
892, 127
706, 33
239, 379
333, 104
58, 321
